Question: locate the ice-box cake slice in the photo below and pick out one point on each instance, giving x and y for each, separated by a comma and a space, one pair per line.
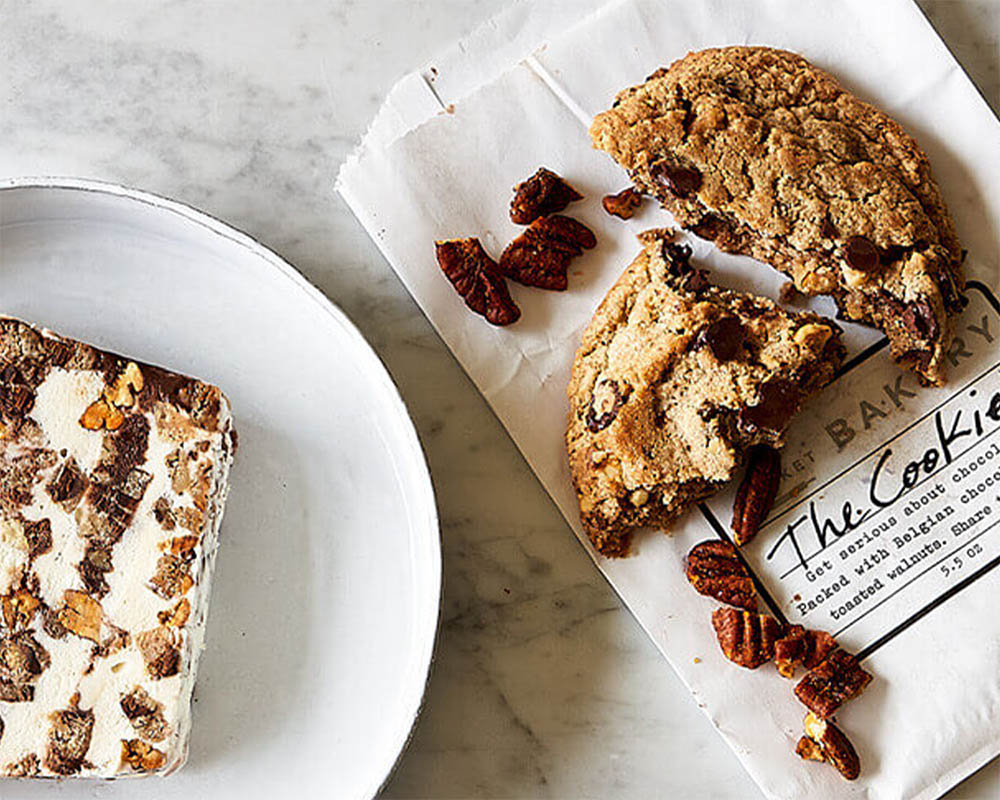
113, 477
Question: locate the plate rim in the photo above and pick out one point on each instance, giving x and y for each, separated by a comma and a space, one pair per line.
218, 227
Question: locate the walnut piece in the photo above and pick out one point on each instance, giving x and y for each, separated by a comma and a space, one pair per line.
746, 638
477, 279
833, 682
714, 570
541, 255
541, 194
756, 492
824, 741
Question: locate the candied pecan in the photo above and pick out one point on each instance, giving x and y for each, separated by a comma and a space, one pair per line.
541, 194
540, 256
824, 741
757, 491
714, 570
829, 685
477, 279
623, 204
801, 646
746, 638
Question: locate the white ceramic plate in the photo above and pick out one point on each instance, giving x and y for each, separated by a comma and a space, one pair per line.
325, 602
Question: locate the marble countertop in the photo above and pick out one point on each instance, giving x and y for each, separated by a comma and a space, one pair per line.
543, 685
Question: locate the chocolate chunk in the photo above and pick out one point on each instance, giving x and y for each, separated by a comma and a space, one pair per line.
920, 321
724, 337
779, 401
682, 181
861, 254
711, 227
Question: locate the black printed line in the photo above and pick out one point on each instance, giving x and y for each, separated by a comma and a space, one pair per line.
916, 486
927, 609
758, 584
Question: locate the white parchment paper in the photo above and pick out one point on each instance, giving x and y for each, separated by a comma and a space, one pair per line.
440, 162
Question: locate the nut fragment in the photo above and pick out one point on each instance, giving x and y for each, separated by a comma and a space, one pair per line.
101, 414
19, 608
541, 255
81, 614
714, 570
756, 493
789, 293
800, 646
477, 279
746, 638
140, 756
122, 392
623, 204
543, 193
833, 682
824, 741
812, 336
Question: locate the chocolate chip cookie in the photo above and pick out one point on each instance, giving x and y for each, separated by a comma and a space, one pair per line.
768, 156
674, 380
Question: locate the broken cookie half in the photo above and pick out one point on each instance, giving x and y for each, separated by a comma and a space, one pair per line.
113, 477
675, 379
768, 156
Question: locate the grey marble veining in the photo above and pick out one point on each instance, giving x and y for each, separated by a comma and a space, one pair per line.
543, 685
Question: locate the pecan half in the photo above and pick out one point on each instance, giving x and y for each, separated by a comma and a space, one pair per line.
746, 638
833, 682
757, 491
623, 204
714, 570
824, 741
800, 646
540, 256
477, 279
541, 194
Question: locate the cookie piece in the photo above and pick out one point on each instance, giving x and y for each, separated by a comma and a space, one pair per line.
674, 380
770, 157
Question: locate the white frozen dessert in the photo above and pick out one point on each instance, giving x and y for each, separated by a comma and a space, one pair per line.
113, 477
